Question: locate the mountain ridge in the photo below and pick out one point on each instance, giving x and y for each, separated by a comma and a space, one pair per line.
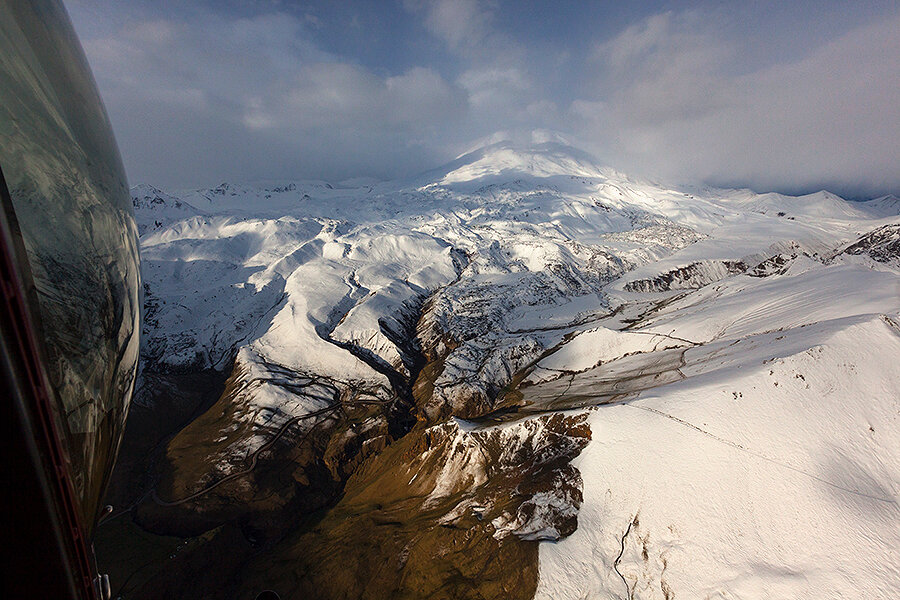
501, 316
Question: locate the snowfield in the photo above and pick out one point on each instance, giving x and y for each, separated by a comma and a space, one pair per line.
771, 471
739, 353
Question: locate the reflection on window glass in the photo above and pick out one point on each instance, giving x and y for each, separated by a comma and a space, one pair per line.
70, 197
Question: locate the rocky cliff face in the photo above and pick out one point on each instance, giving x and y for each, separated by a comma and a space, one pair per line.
881, 245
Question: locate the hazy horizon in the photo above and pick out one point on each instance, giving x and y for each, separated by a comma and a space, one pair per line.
775, 98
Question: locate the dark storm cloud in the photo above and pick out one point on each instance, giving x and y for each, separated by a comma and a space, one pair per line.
765, 96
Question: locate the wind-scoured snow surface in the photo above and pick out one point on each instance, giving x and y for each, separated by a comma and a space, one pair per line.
744, 349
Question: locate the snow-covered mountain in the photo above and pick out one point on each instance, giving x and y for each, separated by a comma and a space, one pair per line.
736, 353
153, 208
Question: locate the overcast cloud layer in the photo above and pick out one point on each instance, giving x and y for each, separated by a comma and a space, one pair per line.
790, 98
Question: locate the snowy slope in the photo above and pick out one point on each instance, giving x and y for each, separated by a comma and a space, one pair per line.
772, 472
883, 206
766, 464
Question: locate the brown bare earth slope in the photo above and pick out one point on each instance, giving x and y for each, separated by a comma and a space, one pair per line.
406, 528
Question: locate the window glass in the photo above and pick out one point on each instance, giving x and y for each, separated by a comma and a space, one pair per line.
71, 201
